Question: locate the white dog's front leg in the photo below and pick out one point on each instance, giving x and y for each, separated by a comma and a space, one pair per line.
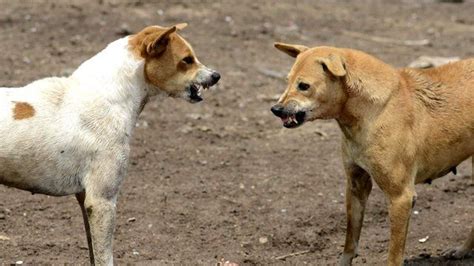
101, 189
101, 214
81, 197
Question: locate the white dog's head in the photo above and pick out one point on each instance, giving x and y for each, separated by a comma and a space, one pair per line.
171, 65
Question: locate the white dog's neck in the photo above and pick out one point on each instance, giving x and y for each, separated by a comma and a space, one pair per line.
111, 86
116, 75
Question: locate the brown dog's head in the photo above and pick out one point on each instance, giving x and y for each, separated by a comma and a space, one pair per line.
171, 65
315, 88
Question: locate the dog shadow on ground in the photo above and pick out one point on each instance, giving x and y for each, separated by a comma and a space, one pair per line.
438, 261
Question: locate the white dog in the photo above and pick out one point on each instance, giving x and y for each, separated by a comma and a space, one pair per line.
63, 136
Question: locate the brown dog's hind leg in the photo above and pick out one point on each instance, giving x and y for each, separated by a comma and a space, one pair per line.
358, 188
80, 198
462, 251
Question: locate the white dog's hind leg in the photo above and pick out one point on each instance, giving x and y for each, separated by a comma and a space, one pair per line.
80, 198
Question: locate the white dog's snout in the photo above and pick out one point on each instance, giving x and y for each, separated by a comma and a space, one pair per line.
204, 75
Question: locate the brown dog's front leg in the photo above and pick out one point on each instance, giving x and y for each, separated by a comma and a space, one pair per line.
80, 198
358, 188
399, 212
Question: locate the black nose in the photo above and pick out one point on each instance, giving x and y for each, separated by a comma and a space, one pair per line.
277, 110
215, 77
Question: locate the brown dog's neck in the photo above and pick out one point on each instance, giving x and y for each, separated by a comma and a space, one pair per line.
369, 85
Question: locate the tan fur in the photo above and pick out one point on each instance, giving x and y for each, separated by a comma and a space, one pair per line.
400, 127
23, 110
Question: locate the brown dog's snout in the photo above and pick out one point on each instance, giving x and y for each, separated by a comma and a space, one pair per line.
278, 110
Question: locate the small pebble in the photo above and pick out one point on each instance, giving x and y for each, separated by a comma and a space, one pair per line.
424, 239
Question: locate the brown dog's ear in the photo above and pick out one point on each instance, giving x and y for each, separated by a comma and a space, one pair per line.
334, 65
181, 26
158, 42
292, 50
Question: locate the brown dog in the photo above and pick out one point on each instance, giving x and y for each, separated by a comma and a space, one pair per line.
400, 127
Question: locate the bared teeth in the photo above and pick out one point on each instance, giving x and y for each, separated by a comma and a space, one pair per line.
292, 119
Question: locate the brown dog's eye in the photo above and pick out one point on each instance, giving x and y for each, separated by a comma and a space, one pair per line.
188, 60
303, 86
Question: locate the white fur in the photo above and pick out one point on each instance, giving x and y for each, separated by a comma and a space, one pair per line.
77, 141
78, 138
52, 151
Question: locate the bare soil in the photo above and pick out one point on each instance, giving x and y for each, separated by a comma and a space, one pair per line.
223, 179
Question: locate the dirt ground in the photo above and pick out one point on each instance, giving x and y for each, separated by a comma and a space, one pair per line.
222, 178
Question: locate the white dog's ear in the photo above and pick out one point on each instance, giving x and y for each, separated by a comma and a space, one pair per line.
181, 26
292, 50
333, 64
156, 43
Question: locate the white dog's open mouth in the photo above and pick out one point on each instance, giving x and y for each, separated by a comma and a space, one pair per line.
195, 92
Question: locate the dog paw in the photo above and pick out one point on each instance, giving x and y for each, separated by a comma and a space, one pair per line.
346, 259
455, 253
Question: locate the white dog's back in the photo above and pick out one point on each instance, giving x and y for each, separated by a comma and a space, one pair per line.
38, 137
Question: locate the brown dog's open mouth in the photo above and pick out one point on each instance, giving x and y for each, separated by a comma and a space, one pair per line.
293, 120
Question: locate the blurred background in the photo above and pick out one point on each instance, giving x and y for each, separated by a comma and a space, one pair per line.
222, 179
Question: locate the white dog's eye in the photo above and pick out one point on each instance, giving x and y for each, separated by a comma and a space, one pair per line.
303, 86
188, 60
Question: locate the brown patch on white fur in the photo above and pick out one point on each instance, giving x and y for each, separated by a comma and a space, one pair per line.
23, 110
